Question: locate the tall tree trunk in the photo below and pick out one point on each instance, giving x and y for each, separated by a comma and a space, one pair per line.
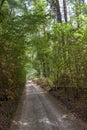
59, 17
65, 10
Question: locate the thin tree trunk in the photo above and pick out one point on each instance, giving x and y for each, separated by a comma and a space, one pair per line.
65, 10
59, 17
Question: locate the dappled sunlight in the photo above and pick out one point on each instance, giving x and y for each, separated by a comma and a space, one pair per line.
29, 84
20, 123
44, 120
63, 117
48, 122
29, 81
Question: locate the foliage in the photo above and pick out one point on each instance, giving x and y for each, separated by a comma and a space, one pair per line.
31, 42
15, 26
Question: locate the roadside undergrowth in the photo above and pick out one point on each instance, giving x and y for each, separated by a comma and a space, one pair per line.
7, 110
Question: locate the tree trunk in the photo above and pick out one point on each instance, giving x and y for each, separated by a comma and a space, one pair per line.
65, 10
59, 18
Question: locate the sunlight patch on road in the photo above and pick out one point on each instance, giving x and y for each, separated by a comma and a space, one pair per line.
29, 81
20, 123
63, 117
29, 85
47, 121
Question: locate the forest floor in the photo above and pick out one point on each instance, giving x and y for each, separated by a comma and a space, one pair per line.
77, 106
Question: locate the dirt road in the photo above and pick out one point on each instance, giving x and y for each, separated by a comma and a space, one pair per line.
38, 110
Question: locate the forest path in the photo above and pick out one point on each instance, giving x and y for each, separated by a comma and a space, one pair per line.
38, 110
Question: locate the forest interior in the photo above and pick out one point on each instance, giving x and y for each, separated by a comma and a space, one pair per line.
45, 41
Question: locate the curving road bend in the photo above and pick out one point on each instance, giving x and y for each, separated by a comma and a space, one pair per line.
38, 110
